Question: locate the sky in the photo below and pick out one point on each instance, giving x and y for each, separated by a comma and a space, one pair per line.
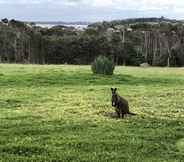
89, 10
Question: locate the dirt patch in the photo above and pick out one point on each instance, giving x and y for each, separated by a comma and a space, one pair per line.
108, 114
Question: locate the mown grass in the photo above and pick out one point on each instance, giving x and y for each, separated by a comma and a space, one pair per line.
59, 113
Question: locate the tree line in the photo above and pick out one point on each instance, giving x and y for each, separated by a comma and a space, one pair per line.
157, 41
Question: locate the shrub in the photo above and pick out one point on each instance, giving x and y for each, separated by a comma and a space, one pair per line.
102, 65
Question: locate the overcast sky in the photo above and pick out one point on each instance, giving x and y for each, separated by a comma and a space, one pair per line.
89, 10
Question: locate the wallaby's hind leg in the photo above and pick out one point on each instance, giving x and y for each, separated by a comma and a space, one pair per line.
118, 113
122, 114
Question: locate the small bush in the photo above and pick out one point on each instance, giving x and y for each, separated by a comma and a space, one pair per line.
102, 65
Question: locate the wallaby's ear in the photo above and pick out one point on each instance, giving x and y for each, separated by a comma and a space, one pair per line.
111, 89
115, 89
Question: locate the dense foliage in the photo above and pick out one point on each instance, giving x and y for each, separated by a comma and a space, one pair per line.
157, 41
103, 65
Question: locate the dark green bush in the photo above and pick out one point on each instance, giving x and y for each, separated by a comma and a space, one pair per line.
102, 65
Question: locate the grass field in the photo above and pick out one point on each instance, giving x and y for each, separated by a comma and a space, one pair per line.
59, 113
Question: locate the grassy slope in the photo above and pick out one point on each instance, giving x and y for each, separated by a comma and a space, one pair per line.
56, 113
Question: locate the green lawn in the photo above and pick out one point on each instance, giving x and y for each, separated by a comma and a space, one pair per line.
59, 113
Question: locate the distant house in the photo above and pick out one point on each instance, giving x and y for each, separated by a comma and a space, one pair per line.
110, 30
129, 29
5, 21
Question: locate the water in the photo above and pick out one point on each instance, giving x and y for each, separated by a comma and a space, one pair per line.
68, 25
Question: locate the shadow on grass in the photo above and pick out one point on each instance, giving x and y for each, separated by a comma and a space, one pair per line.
32, 125
26, 117
57, 79
24, 150
10, 103
114, 115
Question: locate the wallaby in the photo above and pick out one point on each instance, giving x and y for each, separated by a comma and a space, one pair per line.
120, 104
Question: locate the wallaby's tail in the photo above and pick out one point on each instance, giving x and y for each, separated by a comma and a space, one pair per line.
131, 113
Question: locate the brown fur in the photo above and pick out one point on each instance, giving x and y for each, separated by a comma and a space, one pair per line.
121, 105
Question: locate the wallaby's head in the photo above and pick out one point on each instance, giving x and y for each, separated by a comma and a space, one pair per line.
114, 96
